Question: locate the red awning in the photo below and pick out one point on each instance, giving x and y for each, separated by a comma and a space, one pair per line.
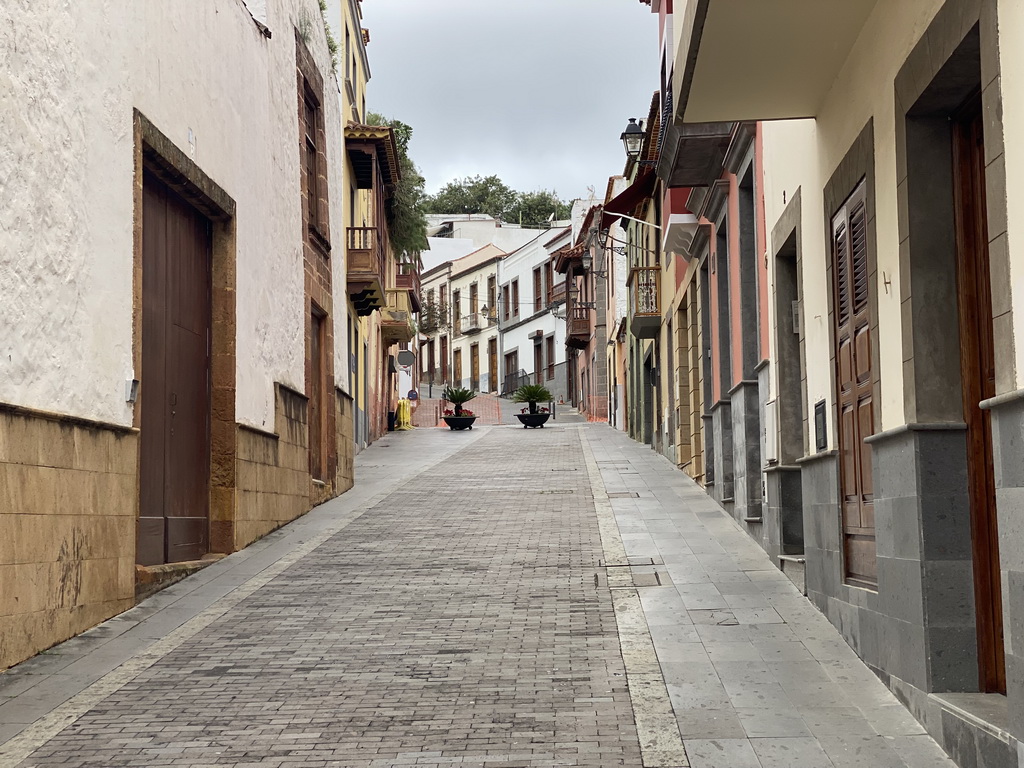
629, 198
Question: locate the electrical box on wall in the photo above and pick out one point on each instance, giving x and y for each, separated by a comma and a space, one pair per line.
820, 426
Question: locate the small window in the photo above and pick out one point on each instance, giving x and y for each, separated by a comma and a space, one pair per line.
515, 298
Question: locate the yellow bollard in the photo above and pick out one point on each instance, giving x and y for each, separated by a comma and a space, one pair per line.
403, 416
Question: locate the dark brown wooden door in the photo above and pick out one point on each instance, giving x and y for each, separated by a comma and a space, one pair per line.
474, 367
492, 364
854, 385
538, 362
175, 393
978, 377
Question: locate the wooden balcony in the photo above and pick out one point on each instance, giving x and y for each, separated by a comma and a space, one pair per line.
557, 294
645, 302
409, 280
396, 318
577, 327
366, 269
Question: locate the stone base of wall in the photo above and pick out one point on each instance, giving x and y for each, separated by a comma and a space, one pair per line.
345, 425
745, 405
783, 513
68, 501
274, 484
1008, 457
721, 432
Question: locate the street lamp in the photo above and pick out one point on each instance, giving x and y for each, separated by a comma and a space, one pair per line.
632, 139
588, 261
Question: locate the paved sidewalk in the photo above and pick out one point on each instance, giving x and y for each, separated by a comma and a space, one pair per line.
757, 676
470, 603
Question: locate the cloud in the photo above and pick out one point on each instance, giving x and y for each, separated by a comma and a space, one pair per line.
534, 91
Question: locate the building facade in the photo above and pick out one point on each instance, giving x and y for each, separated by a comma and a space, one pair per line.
172, 387
532, 341
844, 320
473, 292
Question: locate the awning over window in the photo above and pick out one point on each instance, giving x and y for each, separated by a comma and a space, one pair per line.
641, 188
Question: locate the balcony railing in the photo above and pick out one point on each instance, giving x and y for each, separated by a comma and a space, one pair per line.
365, 268
396, 318
644, 286
557, 293
469, 323
409, 280
645, 301
577, 330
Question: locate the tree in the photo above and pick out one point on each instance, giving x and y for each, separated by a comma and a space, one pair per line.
537, 208
474, 194
407, 224
490, 195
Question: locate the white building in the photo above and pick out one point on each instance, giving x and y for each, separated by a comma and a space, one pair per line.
171, 246
473, 288
532, 337
481, 228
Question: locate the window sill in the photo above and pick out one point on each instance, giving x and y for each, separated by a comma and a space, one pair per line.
318, 239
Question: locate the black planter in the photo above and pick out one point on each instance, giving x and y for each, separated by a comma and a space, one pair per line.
533, 420
459, 422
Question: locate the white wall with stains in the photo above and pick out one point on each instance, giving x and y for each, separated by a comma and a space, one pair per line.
207, 77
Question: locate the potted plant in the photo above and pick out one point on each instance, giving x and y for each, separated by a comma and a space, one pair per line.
531, 394
459, 418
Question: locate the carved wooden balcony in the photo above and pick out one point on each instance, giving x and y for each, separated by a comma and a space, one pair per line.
366, 269
396, 323
409, 280
577, 327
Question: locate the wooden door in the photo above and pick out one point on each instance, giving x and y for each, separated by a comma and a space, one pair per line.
457, 365
431, 362
492, 363
175, 394
854, 385
538, 361
474, 367
977, 372
444, 359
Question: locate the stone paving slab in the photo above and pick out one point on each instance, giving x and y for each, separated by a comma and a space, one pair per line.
758, 677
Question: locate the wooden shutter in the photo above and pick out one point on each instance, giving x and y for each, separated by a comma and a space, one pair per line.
854, 395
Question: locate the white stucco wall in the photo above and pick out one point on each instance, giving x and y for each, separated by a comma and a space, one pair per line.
461, 283
791, 166
804, 154
444, 249
519, 265
202, 72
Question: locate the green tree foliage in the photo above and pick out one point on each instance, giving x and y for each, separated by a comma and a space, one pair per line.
473, 194
407, 223
490, 195
536, 208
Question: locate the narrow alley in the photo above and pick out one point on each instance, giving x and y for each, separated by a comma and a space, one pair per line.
499, 597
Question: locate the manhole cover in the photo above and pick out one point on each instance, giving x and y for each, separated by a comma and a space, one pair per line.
624, 495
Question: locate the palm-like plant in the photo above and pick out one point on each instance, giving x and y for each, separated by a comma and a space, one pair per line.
458, 396
532, 394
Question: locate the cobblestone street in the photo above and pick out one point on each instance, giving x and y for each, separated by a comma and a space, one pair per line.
471, 603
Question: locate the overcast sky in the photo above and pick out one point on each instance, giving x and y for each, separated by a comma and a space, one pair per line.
533, 91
